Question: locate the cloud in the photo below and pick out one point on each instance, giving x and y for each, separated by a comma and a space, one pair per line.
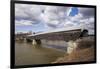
28, 12
88, 18
23, 22
84, 19
53, 23
68, 24
53, 17
87, 12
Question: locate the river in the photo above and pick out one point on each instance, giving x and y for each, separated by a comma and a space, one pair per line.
28, 54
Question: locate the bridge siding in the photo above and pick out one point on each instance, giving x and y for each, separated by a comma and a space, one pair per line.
66, 36
63, 35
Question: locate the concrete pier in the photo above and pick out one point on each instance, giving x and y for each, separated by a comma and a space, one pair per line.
72, 45
36, 42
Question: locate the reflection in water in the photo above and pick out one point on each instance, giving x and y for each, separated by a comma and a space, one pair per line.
27, 54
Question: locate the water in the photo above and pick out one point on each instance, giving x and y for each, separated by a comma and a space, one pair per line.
27, 54
57, 44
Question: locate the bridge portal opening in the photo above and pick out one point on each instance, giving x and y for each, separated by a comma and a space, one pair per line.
84, 33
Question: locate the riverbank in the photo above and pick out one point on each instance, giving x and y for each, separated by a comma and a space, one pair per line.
77, 56
85, 52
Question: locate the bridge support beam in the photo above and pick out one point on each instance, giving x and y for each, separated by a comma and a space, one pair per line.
36, 42
72, 45
25, 40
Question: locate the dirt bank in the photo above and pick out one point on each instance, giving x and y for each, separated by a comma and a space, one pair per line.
83, 52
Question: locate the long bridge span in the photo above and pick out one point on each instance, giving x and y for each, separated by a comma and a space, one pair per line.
65, 35
62, 34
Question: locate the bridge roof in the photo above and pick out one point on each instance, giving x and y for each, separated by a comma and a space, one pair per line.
57, 30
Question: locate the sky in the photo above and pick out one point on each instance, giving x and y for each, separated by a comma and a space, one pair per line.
39, 18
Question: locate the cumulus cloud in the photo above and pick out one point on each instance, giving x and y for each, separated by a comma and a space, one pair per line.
28, 12
53, 17
84, 19
88, 18
87, 12
23, 22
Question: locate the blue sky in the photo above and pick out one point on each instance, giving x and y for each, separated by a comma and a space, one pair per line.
74, 11
38, 18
